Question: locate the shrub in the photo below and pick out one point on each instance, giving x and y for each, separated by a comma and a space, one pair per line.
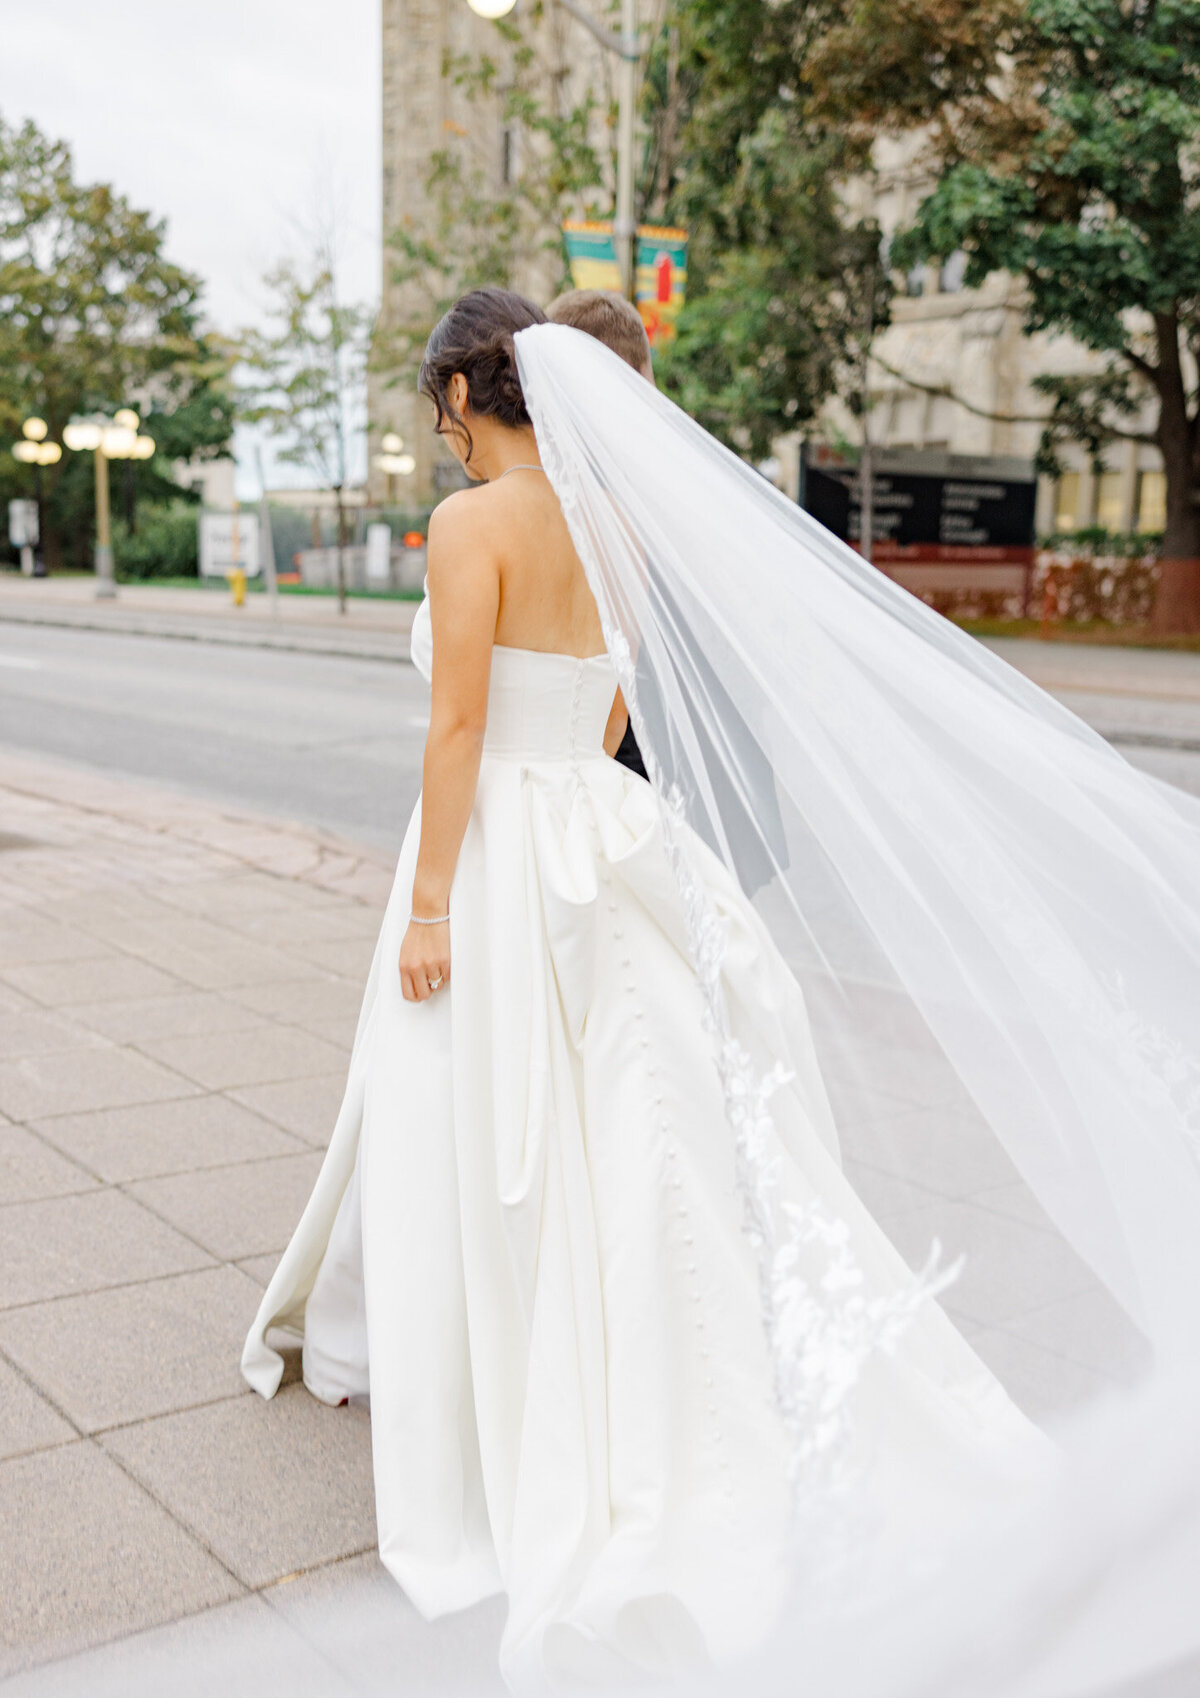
166, 543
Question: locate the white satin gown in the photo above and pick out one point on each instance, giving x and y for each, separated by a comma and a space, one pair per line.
526, 1243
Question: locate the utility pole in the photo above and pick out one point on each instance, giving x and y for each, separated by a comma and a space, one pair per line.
624, 224
866, 470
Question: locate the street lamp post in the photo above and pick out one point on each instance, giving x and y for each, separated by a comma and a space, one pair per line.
393, 463
108, 439
628, 51
36, 450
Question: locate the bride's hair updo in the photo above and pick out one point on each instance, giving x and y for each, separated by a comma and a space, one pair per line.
476, 338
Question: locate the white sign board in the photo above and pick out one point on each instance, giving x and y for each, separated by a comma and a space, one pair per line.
23, 524
228, 540
379, 554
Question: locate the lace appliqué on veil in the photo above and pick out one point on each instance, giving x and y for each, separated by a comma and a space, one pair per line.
821, 1329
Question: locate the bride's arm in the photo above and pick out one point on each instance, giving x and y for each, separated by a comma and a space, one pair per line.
464, 598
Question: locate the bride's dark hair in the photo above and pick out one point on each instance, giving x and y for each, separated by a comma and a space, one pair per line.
476, 338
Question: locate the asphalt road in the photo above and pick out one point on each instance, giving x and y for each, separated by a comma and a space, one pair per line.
336, 742
333, 742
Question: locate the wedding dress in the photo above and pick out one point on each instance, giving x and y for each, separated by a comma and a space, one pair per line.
637, 1353
526, 1242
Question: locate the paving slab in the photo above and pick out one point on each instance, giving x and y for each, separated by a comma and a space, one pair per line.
176, 1136
257, 1054
27, 1421
224, 962
26, 942
351, 957
167, 1344
883, 1193
13, 1001
35, 1032
31, 1168
104, 977
354, 1613
1091, 1329
237, 1649
245, 1210
1016, 1199
1010, 1267
60, 1246
937, 1146
303, 1001
191, 1013
270, 1487
94, 1076
242, 894
294, 929
88, 1555
306, 1107
259, 1268
1040, 1382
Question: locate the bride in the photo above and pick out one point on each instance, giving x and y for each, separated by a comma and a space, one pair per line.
637, 1352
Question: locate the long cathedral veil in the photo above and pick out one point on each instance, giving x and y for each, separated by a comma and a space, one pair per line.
995, 922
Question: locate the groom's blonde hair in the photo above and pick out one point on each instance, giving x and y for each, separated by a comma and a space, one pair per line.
611, 319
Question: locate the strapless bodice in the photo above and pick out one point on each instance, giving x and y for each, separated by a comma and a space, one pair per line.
541, 706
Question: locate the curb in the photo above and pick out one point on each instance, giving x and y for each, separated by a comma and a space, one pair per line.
347, 646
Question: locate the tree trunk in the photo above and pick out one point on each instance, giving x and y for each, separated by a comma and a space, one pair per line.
1177, 603
341, 550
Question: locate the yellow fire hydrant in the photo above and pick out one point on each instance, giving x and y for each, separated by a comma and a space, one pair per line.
237, 583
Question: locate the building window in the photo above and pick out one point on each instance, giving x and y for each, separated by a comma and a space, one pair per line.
1110, 505
1066, 502
914, 281
954, 269
508, 155
1152, 501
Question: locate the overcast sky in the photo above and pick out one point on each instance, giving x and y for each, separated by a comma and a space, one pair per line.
237, 121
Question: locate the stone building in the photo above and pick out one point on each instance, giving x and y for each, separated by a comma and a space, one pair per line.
969, 343
425, 110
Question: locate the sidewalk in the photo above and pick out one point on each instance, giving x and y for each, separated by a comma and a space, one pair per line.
179, 987
178, 993
370, 629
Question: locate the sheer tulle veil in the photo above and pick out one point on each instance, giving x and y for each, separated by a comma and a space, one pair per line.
995, 921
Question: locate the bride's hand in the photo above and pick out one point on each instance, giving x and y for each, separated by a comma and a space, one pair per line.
424, 960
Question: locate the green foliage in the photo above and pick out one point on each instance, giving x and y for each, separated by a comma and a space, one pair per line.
1098, 211
784, 287
93, 316
1088, 410
164, 545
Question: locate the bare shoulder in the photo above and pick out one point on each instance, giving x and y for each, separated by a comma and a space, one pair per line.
456, 521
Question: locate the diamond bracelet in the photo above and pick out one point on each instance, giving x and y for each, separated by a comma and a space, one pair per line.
437, 920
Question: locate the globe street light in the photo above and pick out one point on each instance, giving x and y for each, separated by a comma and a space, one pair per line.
392, 463
108, 439
628, 51
36, 450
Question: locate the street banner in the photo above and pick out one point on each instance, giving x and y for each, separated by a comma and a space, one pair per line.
661, 270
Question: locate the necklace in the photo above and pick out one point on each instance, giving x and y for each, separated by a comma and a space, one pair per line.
530, 467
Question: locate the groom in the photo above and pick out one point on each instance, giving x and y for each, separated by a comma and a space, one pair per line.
616, 322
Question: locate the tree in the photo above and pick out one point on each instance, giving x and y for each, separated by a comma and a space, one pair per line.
782, 278
307, 373
93, 316
1064, 137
